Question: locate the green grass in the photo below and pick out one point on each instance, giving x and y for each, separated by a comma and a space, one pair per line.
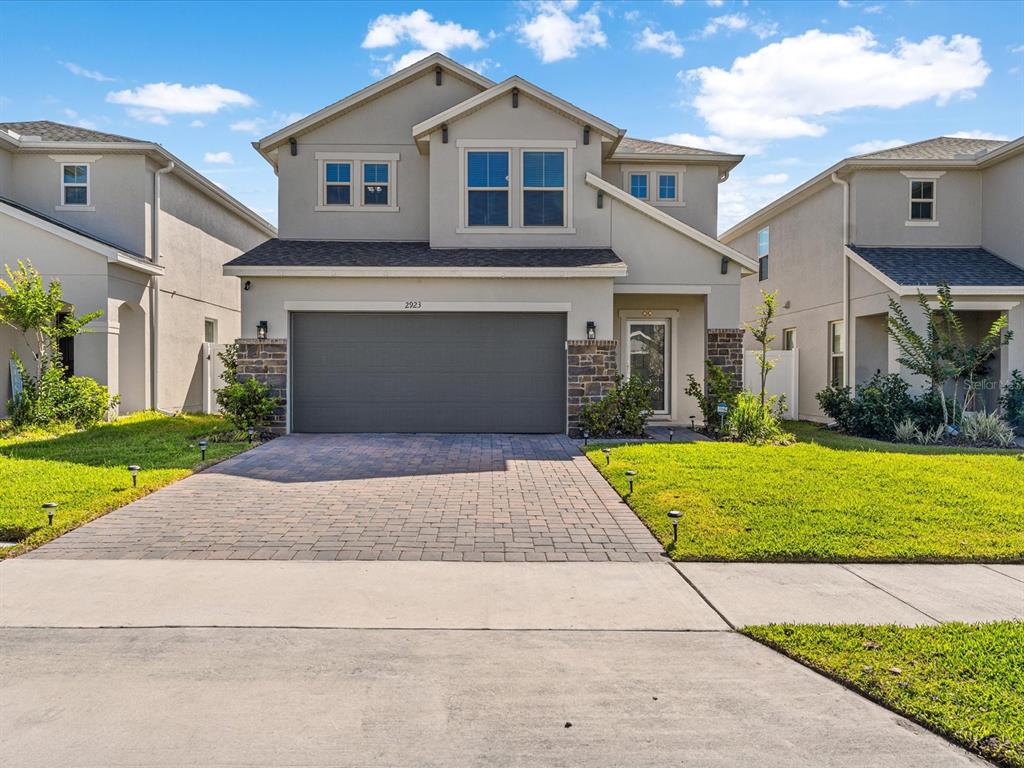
965, 681
829, 498
85, 472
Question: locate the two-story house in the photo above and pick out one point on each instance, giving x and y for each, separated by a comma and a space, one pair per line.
133, 231
888, 225
457, 255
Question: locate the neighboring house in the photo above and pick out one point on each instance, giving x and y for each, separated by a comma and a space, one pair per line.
457, 255
79, 204
883, 226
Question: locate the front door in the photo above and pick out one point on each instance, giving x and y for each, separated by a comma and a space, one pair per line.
647, 356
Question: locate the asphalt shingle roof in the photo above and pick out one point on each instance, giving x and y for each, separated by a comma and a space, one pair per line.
940, 148
931, 266
630, 146
332, 253
47, 130
69, 228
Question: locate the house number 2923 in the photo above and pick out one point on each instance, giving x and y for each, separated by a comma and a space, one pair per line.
413, 304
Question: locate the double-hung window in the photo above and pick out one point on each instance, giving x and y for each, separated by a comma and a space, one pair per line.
638, 185
762, 254
338, 183
375, 184
667, 186
487, 189
922, 200
837, 351
74, 184
543, 189
789, 339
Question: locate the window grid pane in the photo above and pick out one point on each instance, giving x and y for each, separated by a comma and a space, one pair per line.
638, 185
487, 169
75, 196
375, 194
762, 268
339, 194
543, 169
76, 174
667, 187
543, 209
375, 173
338, 172
488, 208
762, 242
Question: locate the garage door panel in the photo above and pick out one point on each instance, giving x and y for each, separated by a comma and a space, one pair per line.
428, 372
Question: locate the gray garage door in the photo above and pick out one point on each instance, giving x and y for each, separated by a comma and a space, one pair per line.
428, 372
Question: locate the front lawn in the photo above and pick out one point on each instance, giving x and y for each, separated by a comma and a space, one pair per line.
85, 472
965, 681
829, 497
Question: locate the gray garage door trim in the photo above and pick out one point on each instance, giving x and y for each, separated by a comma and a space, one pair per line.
427, 372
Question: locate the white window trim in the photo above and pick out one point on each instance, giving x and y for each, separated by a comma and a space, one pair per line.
833, 355
663, 200
87, 161
466, 189
322, 203
564, 189
934, 200
670, 318
515, 148
768, 250
629, 184
357, 160
785, 332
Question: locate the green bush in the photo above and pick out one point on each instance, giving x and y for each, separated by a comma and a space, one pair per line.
750, 421
625, 410
879, 406
54, 398
719, 389
246, 403
1012, 400
986, 429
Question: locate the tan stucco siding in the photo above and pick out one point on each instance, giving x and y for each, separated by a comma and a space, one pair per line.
381, 126
5, 173
880, 203
697, 190
1002, 223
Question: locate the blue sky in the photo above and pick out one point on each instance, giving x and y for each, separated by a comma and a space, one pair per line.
793, 85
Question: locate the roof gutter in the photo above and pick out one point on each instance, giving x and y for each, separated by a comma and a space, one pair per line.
846, 279
154, 293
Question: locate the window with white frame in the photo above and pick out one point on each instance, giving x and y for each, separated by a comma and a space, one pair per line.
638, 185
837, 352
487, 183
922, 200
337, 183
668, 186
376, 186
762, 254
74, 184
543, 188
789, 339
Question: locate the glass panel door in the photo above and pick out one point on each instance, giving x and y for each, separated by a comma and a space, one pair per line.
648, 357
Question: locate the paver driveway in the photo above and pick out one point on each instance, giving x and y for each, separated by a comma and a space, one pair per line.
379, 497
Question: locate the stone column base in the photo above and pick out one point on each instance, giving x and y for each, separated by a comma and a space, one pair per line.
592, 367
725, 349
267, 361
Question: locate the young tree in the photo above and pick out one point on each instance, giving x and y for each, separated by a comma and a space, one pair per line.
33, 309
760, 330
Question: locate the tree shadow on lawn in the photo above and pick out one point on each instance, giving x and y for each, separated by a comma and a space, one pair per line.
811, 433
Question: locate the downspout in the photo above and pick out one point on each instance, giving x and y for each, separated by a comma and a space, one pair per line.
154, 293
846, 280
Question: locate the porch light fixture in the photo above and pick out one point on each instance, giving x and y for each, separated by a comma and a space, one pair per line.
630, 474
607, 456
515, 98
294, 144
437, 76
247, 285
202, 449
674, 516
600, 199
444, 133
586, 134
725, 265
262, 327
134, 469
591, 330
50, 507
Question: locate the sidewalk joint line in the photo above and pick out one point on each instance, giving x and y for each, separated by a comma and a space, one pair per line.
1013, 578
357, 629
890, 594
702, 596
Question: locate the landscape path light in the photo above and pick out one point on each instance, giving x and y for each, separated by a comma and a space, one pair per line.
674, 516
693, 423
630, 474
50, 507
202, 450
671, 434
252, 431
607, 455
134, 469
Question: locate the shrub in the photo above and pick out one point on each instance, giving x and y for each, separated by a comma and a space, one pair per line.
245, 403
756, 423
1012, 400
598, 417
53, 399
926, 410
907, 432
879, 406
837, 403
719, 390
986, 429
624, 410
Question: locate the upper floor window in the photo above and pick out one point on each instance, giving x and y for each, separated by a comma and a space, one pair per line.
74, 184
789, 339
837, 352
922, 200
487, 189
638, 185
762, 254
667, 184
543, 189
338, 183
375, 184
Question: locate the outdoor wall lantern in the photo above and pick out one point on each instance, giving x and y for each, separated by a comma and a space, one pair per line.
50, 507
202, 450
247, 285
134, 469
437, 76
515, 98
607, 455
586, 134
674, 516
591, 330
725, 265
630, 474
294, 145
600, 199
262, 328
444, 133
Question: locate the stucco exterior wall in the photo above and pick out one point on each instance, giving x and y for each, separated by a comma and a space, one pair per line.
118, 192
1002, 213
697, 185
5, 173
383, 125
498, 121
880, 203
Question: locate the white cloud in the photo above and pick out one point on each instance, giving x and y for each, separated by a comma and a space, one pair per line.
419, 28
153, 102
197, 124
1017, 49
261, 125
631, 15
555, 34
676, 3
716, 3
250, 125
876, 145
979, 135
874, 9
783, 89
78, 120
770, 179
731, 22
220, 158
740, 196
714, 143
844, 3
91, 74
665, 42
483, 66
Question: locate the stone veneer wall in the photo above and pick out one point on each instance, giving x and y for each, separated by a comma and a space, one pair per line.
592, 366
267, 361
725, 349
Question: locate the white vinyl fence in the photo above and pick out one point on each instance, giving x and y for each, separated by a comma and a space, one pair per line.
783, 379
212, 369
